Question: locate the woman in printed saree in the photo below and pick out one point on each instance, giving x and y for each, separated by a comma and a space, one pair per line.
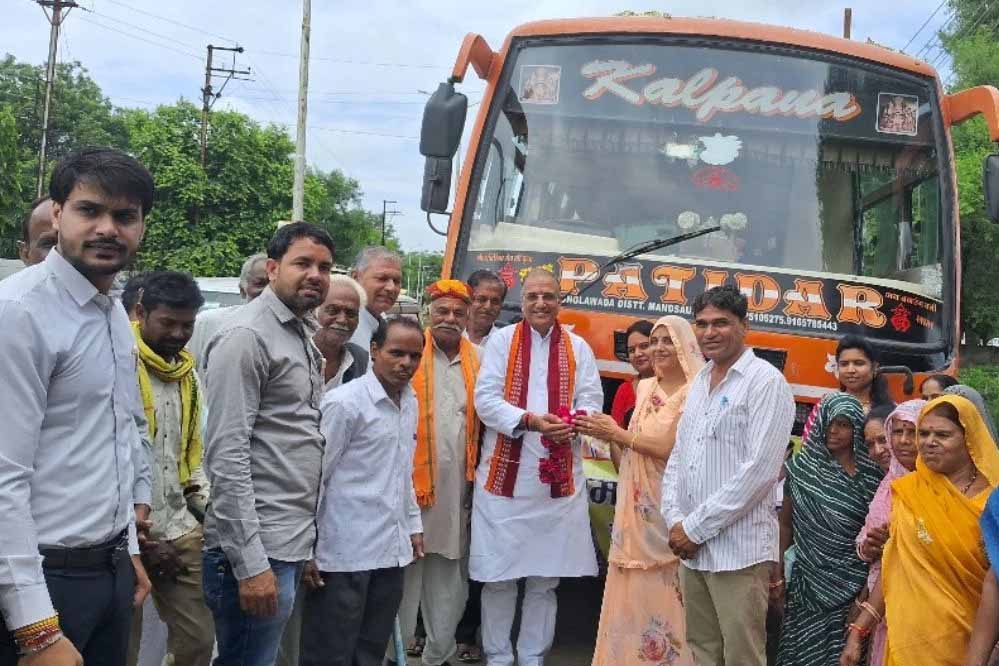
985, 634
642, 621
900, 427
934, 563
828, 489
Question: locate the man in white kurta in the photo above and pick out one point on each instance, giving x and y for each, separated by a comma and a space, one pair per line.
530, 534
437, 584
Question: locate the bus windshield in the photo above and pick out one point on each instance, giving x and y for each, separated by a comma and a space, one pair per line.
812, 167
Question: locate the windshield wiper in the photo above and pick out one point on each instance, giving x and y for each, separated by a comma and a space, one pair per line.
642, 248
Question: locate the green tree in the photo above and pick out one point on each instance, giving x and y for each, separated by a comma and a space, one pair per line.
420, 269
970, 41
10, 185
333, 201
80, 115
207, 221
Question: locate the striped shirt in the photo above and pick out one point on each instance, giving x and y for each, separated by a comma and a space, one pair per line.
721, 475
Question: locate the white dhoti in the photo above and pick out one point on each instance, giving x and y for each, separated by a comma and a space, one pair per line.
438, 588
537, 621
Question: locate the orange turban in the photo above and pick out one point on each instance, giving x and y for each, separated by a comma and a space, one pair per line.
449, 289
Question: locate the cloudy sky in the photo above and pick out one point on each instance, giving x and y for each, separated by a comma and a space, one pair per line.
370, 59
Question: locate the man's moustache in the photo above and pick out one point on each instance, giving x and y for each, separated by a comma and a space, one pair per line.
104, 245
447, 327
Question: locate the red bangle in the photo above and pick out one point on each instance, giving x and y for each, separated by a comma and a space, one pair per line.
864, 633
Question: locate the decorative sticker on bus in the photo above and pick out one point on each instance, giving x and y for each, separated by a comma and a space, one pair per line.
777, 301
539, 84
703, 91
707, 93
898, 114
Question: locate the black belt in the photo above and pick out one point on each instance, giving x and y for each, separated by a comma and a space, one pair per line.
86, 557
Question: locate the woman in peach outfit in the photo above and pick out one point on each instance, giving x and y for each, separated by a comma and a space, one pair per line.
642, 622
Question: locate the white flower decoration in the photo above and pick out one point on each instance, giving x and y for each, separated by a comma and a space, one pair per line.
831, 366
720, 150
688, 219
734, 221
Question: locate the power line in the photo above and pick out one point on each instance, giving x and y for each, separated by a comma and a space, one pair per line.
929, 46
370, 92
356, 62
133, 26
170, 20
925, 23
324, 128
965, 31
269, 87
142, 39
385, 102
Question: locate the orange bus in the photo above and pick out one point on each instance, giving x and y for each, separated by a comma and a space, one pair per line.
815, 173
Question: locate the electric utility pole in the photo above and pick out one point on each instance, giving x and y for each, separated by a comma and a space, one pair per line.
386, 213
55, 20
298, 194
208, 94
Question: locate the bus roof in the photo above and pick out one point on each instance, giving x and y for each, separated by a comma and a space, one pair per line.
711, 27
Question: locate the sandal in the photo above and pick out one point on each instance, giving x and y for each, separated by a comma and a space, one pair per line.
469, 654
415, 648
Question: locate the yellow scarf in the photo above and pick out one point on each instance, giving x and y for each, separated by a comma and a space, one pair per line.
181, 371
934, 563
425, 457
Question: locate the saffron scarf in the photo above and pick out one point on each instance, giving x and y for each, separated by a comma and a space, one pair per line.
182, 372
557, 469
935, 561
425, 458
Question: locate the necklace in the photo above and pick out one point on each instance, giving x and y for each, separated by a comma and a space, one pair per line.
974, 477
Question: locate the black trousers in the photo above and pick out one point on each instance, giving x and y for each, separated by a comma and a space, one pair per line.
472, 618
95, 610
349, 621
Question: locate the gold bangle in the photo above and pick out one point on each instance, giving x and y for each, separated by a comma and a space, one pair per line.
28, 630
870, 609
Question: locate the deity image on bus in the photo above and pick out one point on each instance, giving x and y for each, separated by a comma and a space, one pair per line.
898, 114
540, 84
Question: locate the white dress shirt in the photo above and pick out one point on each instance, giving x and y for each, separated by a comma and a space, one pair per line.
721, 475
481, 344
366, 327
70, 440
367, 506
337, 379
531, 533
170, 516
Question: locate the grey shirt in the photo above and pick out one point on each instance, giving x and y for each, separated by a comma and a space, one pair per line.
70, 448
264, 449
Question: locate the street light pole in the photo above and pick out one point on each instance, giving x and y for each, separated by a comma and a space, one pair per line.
298, 193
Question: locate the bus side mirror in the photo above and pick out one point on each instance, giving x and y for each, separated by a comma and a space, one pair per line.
436, 185
443, 122
990, 186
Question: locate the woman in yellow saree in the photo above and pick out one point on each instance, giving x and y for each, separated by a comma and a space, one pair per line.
934, 562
